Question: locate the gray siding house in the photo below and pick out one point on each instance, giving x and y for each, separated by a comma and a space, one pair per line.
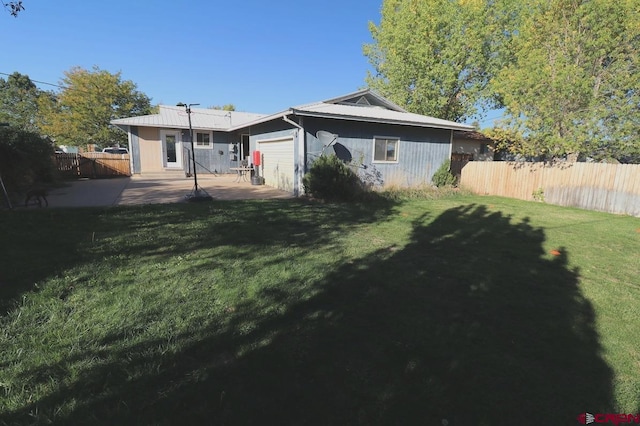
385, 144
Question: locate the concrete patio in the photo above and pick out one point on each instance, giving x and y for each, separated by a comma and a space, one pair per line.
156, 189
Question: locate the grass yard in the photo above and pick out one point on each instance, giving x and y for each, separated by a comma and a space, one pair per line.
291, 313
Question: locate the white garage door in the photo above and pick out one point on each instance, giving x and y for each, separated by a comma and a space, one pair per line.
277, 163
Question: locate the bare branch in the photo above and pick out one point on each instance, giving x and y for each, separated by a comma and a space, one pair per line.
14, 7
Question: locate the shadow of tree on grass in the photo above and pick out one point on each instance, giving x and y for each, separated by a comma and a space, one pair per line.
469, 322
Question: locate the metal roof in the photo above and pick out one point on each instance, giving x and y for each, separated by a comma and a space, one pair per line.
176, 117
377, 115
384, 111
363, 114
347, 107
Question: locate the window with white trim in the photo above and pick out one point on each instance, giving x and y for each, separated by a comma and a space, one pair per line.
202, 139
385, 150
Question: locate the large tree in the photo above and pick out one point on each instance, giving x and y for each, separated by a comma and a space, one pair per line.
437, 57
19, 98
566, 71
573, 88
87, 104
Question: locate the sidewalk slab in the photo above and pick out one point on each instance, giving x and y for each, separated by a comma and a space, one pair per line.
88, 193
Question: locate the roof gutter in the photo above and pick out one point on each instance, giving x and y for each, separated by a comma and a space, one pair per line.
293, 123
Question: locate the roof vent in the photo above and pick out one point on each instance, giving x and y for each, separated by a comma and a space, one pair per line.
363, 101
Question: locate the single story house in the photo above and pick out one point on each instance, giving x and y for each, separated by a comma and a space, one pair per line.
386, 144
160, 143
470, 146
474, 144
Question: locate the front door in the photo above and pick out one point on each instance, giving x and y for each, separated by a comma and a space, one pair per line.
171, 149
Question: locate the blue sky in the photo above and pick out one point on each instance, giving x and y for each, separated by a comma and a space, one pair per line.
259, 55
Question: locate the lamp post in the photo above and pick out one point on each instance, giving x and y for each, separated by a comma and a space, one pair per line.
197, 194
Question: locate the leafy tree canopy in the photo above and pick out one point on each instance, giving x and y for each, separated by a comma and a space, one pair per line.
437, 57
572, 88
566, 71
19, 98
87, 104
226, 107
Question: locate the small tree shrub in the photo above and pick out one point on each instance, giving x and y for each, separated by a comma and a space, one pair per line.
331, 179
538, 195
443, 177
25, 159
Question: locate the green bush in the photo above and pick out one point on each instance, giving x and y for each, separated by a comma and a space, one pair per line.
443, 177
25, 159
331, 179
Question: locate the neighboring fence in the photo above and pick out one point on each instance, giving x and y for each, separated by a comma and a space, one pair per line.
613, 188
93, 164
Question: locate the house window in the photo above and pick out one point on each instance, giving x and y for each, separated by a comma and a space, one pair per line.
385, 150
203, 140
484, 148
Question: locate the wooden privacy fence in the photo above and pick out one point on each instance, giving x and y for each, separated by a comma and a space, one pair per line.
93, 164
613, 188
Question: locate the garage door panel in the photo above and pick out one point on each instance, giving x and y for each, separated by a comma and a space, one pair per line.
278, 163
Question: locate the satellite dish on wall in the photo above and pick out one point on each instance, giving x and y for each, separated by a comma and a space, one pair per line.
326, 139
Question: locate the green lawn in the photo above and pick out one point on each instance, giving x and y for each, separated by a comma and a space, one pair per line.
290, 313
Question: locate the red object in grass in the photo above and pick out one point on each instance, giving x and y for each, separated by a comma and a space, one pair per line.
555, 252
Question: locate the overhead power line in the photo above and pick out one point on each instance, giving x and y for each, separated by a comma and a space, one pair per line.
200, 111
39, 82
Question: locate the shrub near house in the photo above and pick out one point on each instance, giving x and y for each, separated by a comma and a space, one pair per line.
331, 179
443, 177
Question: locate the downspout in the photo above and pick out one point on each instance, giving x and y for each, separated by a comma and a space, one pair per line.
299, 169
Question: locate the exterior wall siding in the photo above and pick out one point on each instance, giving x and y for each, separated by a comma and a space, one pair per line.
271, 130
214, 159
421, 150
269, 135
150, 150
221, 163
134, 150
